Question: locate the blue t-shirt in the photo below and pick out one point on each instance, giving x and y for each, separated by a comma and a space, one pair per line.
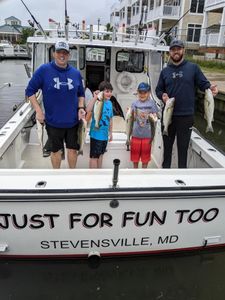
61, 89
142, 125
102, 133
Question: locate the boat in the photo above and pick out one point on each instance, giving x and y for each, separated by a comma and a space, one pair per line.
116, 210
6, 48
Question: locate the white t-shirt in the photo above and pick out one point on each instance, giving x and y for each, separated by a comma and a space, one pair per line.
88, 96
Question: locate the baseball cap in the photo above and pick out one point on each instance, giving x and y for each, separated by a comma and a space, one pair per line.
61, 45
176, 43
143, 87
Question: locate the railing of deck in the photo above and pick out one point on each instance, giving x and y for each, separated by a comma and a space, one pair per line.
211, 39
166, 11
213, 2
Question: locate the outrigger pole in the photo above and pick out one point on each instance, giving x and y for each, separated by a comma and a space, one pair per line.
35, 21
67, 21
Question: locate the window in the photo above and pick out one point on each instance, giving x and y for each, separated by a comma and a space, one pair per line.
130, 61
137, 7
133, 10
151, 4
193, 34
197, 6
95, 54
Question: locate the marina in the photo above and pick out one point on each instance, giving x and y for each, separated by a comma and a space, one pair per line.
189, 192
9, 51
185, 275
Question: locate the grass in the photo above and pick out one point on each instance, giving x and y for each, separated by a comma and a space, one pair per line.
209, 65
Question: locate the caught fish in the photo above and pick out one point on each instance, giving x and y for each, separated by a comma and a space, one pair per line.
129, 126
153, 121
82, 131
98, 107
167, 114
209, 109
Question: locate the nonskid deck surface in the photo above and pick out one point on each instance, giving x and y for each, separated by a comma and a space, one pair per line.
33, 158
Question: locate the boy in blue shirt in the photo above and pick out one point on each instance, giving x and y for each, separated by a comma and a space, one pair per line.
101, 129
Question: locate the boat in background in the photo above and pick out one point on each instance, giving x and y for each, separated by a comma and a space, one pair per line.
6, 48
117, 210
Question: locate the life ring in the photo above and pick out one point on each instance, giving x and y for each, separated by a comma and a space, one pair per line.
126, 82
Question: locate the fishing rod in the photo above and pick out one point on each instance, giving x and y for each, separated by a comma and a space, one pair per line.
164, 34
67, 21
35, 21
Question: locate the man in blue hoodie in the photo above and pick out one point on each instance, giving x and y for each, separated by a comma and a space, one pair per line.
63, 99
180, 80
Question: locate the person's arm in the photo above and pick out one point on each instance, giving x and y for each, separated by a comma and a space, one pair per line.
160, 89
110, 130
36, 83
39, 113
91, 103
81, 108
203, 82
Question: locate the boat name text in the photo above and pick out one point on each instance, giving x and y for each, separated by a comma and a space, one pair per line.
92, 220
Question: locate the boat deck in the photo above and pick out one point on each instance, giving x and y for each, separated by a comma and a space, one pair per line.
33, 159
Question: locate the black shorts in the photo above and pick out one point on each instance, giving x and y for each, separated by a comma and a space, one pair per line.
57, 137
97, 148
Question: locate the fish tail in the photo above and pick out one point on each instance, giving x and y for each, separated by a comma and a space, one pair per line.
209, 128
165, 132
80, 152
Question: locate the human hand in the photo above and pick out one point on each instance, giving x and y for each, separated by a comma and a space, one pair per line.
165, 97
214, 89
81, 114
95, 94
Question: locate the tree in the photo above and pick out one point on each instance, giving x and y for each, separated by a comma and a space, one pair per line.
109, 27
26, 32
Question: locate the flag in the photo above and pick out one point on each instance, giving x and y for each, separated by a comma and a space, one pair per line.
52, 21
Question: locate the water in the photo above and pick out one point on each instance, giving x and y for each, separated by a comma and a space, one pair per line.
192, 277
13, 72
198, 276
216, 137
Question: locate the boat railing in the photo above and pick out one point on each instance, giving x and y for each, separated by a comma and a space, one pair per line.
13, 134
114, 36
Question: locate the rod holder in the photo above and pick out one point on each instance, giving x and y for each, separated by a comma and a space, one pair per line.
116, 163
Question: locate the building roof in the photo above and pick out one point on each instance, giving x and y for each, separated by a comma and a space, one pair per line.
13, 18
11, 29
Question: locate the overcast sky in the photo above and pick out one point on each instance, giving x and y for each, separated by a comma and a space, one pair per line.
42, 10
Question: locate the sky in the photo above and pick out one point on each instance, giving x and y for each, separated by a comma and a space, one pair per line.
42, 10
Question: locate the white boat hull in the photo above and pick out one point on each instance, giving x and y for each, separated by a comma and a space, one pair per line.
79, 222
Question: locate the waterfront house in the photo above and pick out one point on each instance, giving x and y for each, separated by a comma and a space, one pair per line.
213, 33
11, 30
158, 16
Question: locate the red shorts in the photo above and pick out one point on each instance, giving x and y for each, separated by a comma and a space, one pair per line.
140, 150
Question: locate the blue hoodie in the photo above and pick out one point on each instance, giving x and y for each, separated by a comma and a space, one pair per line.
61, 89
181, 81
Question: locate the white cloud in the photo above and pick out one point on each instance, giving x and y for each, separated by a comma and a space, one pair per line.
42, 10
